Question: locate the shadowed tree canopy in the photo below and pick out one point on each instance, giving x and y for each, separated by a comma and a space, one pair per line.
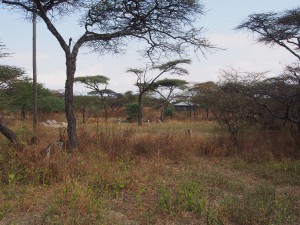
9, 74
170, 83
165, 88
93, 83
145, 82
161, 26
277, 28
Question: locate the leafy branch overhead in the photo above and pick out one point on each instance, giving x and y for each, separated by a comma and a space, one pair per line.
282, 29
164, 26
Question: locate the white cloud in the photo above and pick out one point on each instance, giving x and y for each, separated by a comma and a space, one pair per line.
54, 80
242, 53
89, 70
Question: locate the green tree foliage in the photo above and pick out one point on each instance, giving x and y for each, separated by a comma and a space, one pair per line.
49, 103
86, 105
131, 110
9, 74
169, 111
18, 97
93, 82
129, 96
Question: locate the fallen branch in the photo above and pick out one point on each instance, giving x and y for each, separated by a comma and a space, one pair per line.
8, 133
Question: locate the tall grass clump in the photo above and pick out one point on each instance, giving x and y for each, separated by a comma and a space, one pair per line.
253, 145
128, 142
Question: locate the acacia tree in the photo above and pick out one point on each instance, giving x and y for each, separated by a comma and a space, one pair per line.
283, 29
85, 104
164, 26
93, 83
19, 94
230, 107
145, 82
268, 99
9, 74
276, 28
202, 94
165, 89
278, 97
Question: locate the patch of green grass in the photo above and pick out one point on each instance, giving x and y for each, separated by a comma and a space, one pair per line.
187, 197
74, 204
279, 172
190, 197
258, 205
166, 201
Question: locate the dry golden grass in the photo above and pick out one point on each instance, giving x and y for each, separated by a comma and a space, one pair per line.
157, 174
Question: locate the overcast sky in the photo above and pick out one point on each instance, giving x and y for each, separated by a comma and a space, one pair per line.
242, 51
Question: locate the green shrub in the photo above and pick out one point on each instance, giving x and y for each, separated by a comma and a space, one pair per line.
132, 111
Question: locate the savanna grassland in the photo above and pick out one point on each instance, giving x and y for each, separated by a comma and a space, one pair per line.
154, 174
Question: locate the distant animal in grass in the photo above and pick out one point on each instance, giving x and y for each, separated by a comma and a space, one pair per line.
46, 152
188, 132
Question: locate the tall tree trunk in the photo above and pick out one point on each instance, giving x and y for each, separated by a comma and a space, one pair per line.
9, 134
105, 110
105, 114
83, 114
162, 113
140, 110
23, 113
72, 134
